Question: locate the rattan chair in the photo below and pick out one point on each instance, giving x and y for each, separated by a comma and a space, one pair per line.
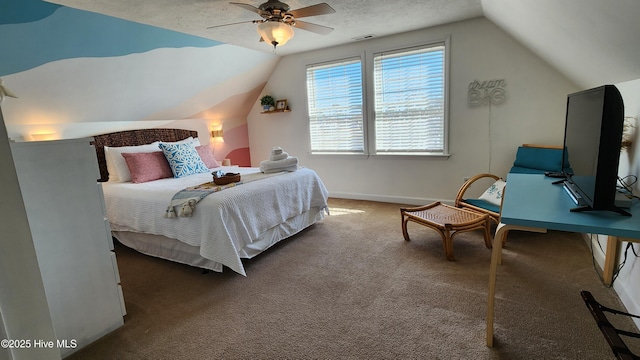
530, 159
475, 204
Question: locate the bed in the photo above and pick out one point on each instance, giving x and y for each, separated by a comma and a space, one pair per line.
235, 223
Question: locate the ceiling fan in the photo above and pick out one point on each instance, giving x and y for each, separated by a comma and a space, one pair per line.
278, 21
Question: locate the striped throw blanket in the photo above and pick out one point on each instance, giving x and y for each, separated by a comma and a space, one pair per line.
185, 200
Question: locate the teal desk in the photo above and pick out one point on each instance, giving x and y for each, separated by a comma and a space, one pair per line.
532, 203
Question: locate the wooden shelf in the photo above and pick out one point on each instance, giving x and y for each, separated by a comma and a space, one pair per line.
275, 111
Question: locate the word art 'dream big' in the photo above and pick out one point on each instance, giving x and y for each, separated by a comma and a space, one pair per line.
486, 92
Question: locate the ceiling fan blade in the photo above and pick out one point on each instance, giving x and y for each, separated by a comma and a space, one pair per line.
318, 29
247, 7
235, 23
318, 9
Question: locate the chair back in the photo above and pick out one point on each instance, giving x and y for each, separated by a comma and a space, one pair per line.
538, 159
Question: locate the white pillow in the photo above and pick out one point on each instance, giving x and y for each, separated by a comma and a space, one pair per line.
117, 165
195, 141
493, 194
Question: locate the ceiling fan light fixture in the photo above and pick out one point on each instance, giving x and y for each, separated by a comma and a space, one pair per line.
275, 33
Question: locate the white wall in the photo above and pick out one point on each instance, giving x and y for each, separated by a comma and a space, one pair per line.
630, 160
626, 285
482, 139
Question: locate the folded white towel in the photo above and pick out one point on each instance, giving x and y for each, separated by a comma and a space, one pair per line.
289, 164
281, 156
290, 169
276, 150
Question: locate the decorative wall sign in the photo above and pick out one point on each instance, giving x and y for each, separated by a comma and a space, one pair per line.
486, 92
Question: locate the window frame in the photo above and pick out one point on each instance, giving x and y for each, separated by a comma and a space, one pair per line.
337, 61
371, 118
368, 88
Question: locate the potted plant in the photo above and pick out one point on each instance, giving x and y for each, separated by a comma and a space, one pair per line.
267, 102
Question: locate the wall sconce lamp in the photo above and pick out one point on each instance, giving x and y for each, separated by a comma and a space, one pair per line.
217, 135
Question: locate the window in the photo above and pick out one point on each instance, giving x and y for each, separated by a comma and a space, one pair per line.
409, 100
408, 116
336, 120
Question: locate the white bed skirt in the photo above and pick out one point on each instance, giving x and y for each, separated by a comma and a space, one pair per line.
177, 251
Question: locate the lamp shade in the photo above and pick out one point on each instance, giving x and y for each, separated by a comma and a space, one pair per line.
217, 134
275, 32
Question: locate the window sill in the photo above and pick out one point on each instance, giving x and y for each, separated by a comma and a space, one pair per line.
410, 155
380, 156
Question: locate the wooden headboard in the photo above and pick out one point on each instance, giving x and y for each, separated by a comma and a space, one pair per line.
133, 138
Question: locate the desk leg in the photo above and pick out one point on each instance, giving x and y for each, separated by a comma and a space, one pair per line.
496, 257
610, 260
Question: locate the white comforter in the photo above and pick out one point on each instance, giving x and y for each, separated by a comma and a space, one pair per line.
224, 222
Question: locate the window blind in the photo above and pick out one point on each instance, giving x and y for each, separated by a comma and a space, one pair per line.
334, 93
409, 87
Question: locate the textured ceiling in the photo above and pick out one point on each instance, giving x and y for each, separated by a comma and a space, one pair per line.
352, 19
592, 42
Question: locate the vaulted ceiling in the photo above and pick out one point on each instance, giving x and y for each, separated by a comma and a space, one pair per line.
593, 42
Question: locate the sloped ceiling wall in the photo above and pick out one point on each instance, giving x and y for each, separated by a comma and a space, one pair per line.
74, 66
592, 42
69, 66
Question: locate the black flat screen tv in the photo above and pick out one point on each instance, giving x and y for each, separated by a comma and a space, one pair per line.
592, 141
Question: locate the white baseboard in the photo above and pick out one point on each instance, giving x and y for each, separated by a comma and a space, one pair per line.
389, 199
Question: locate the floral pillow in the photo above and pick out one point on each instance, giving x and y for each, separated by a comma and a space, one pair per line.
183, 159
493, 194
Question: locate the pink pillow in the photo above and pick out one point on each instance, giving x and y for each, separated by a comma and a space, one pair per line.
147, 166
207, 156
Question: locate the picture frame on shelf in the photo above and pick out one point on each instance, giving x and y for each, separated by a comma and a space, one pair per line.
281, 105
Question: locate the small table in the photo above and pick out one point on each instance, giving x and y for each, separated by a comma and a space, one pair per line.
447, 221
532, 202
